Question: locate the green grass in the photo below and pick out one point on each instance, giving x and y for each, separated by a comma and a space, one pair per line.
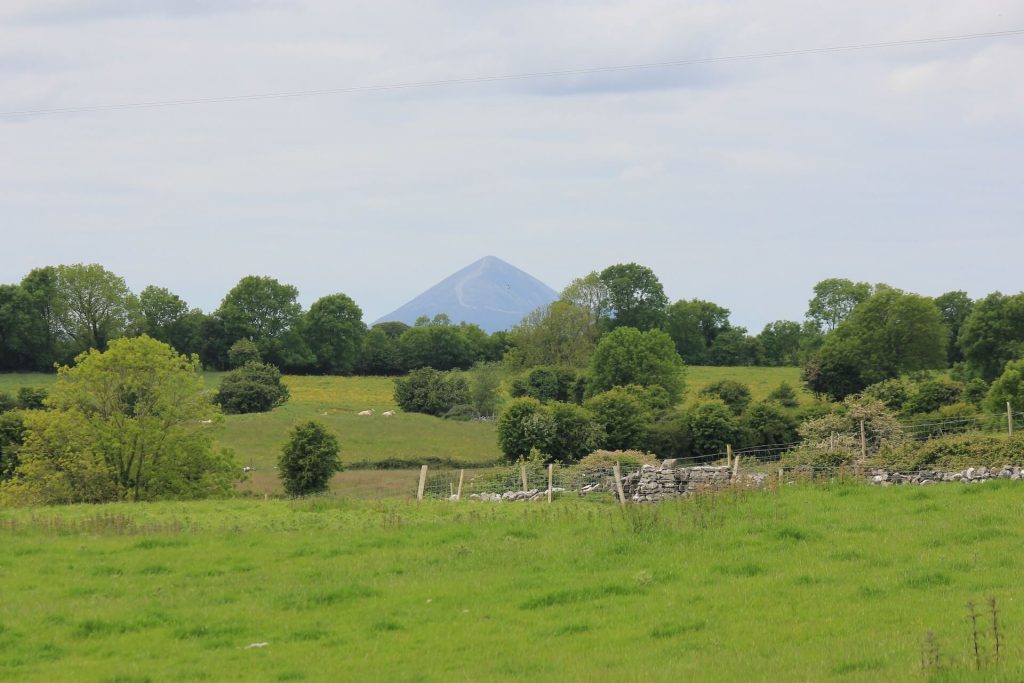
761, 381
825, 584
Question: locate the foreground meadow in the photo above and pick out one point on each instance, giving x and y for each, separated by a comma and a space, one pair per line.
841, 582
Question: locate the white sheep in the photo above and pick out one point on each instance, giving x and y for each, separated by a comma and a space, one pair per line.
388, 413
366, 413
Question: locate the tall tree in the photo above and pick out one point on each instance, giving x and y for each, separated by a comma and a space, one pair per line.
628, 356
591, 294
781, 342
334, 331
267, 312
954, 307
694, 325
636, 297
40, 330
558, 334
159, 311
993, 333
834, 299
94, 306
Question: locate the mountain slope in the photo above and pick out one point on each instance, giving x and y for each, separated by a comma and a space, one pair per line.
490, 293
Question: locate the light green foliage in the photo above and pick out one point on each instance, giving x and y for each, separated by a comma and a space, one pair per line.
834, 300
605, 460
243, 352
561, 333
889, 334
712, 425
484, 387
636, 297
1009, 386
252, 388
431, 391
628, 356
957, 452
121, 424
12, 434
624, 418
591, 294
993, 333
732, 393
333, 329
522, 426
836, 436
309, 459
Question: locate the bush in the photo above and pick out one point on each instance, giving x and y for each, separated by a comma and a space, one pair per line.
734, 394
669, 436
953, 419
575, 432
605, 460
768, 422
243, 352
840, 430
32, 398
1008, 387
953, 453
12, 434
7, 402
785, 395
522, 426
625, 420
712, 426
893, 393
430, 391
484, 387
252, 388
930, 395
309, 459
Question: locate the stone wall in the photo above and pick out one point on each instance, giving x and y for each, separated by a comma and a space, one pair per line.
971, 475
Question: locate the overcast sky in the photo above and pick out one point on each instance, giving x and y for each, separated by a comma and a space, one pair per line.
741, 182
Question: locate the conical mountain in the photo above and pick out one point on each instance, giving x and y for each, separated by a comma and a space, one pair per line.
490, 293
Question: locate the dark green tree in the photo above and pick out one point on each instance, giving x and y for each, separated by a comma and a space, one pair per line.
334, 331
767, 422
252, 388
954, 307
438, 346
309, 459
635, 296
734, 394
781, 343
243, 352
628, 356
430, 391
523, 425
993, 334
380, 353
694, 325
267, 312
712, 425
574, 432
624, 419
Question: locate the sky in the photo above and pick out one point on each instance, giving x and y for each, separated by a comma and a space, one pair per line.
743, 182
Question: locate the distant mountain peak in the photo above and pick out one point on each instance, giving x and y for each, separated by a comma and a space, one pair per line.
489, 292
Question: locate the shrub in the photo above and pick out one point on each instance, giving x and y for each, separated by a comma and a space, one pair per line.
7, 402
602, 460
523, 425
575, 432
243, 352
252, 388
309, 459
625, 420
893, 393
734, 394
670, 437
712, 426
768, 422
430, 391
1008, 387
12, 433
483, 392
930, 395
952, 419
552, 384
955, 453
32, 398
785, 395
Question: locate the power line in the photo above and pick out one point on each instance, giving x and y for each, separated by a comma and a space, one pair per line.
508, 77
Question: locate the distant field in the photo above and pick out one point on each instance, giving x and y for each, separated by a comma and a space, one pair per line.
808, 584
257, 439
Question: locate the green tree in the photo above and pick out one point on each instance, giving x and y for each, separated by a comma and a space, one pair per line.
522, 426
890, 333
993, 333
380, 353
93, 307
954, 307
334, 331
767, 422
252, 388
243, 352
124, 423
309, 459
558, 334
437, 346
267, 312
590, 294
781, 343
784, 395
12, 434
712, 425
485, 383
574, 432
628, 356
159, 311
734, 394
834, 300
40, 333
635, 296
1009, 386
733, 346
694, 325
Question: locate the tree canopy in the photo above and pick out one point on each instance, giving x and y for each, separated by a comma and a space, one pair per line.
628, 356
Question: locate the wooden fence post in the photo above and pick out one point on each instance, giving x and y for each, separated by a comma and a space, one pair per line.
423, 483
618, 484
735, 468
551, 479
1009, 418
458, 496
522, 471
863, 442
728, 455
782, 476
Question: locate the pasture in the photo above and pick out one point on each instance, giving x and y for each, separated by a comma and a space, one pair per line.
834, 583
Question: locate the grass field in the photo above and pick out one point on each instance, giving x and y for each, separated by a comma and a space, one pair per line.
808, 584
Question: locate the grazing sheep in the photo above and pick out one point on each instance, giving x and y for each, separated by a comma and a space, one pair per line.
206, 422
388, 413
366, 413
